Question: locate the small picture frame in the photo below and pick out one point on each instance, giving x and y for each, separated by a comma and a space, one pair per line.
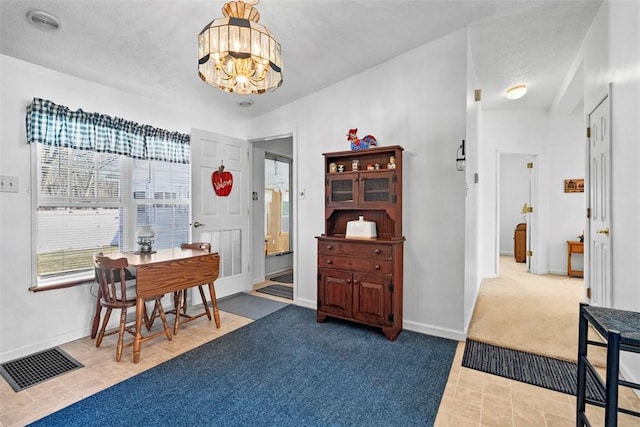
574, 185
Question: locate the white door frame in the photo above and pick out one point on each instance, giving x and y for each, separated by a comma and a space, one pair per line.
275, 134
532, 218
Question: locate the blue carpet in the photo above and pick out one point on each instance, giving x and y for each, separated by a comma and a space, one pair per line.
282, 370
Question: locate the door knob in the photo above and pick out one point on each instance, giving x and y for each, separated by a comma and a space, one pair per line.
603, 231
197, 224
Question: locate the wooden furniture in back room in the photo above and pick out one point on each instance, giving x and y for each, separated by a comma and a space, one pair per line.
360, 279
574, 247
520, 242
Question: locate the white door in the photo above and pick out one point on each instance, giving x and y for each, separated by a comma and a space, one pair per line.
599, 238
222, 220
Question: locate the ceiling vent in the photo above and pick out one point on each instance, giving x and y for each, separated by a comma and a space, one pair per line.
43, 20
245, 103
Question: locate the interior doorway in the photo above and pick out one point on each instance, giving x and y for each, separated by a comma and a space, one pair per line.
277, 197
517, 226
273, 204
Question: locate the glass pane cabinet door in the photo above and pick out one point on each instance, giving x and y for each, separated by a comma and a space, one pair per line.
377, 189
341, 190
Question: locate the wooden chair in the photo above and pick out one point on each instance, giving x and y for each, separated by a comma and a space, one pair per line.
180, 297
116, 292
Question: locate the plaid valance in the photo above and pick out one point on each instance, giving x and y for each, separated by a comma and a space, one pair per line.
56, 125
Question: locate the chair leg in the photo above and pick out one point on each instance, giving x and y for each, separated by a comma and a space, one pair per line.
177, 300
163, 317
96, 316
107, 315
184, 301
204, 301
123, 321
148, 320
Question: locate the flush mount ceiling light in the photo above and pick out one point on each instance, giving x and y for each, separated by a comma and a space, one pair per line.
236, 54
517, 91
43, 20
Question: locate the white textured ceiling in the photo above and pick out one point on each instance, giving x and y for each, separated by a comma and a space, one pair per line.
148, 47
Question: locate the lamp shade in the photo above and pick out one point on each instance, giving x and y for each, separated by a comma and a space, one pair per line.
145, 232
236, 54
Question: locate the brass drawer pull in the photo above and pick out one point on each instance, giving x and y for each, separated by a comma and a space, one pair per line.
329, 261
377, 267
377, 252
329, 247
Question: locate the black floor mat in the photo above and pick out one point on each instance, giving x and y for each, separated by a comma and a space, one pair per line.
36, 368
281, 291
541, 371
283, 278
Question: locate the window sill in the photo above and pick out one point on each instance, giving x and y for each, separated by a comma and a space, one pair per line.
62, 284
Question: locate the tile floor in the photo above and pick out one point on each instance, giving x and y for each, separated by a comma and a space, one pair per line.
471, 398
474, 398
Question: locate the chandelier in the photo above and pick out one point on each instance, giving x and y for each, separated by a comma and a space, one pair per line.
236, 54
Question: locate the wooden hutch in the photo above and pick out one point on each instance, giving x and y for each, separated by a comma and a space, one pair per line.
361, 279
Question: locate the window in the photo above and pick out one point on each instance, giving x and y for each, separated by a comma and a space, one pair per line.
161, 193
90, 202
96, 178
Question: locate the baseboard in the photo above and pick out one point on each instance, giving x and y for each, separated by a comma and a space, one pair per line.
312, 304
421, 328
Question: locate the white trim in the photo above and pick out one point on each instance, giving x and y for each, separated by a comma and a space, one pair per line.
422, 328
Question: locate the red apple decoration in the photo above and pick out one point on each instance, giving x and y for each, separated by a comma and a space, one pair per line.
222, 181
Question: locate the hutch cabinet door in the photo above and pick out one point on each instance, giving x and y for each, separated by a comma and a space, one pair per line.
335, 294
372, 298
342, 190
377, 189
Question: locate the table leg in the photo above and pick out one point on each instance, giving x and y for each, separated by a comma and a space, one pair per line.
214, 304
569, 260
137, 341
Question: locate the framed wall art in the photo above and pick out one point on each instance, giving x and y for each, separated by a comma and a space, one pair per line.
574, 185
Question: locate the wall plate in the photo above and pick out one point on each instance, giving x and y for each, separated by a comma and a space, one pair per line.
8, 184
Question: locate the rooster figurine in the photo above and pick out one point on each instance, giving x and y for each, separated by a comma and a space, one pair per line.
360, 144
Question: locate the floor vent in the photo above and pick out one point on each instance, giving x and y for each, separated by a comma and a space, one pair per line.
36, 368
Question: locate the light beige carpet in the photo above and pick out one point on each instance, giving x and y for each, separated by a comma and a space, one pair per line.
533, 313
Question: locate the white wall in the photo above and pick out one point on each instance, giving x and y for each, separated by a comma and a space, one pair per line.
612, 55
427, 117
473, 199
30, 321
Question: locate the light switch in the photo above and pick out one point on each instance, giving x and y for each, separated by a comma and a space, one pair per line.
8, 184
